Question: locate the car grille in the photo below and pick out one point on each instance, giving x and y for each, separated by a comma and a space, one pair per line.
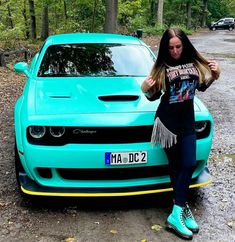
107, 174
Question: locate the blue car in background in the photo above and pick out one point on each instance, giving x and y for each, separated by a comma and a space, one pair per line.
83, 126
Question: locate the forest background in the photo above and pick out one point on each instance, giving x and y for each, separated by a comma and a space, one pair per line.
24, 22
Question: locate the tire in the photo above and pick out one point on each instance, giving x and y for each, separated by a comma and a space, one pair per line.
230, 28
213, 28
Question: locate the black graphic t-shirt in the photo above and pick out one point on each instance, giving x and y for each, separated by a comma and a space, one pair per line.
182, 80
176, 109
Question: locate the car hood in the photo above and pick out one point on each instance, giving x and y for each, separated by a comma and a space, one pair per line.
85, 95
90, 95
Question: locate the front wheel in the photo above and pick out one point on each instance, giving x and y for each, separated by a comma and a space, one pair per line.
213, 28
230, 29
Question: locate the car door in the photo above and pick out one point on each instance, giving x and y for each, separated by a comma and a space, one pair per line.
221, 24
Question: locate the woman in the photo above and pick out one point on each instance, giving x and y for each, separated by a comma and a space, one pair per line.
178, 71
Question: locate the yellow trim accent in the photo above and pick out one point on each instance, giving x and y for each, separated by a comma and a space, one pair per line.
113, 194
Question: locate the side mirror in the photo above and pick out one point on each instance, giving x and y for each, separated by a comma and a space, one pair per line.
22, 67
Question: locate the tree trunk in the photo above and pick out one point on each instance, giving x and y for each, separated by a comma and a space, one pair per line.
10, 22
153, 12
189, 14
110, 25
93, 17
25, 21
204, 13
160, 12
65, 10
45, 22
32, 19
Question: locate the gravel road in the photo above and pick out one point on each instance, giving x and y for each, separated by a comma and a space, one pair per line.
136, 219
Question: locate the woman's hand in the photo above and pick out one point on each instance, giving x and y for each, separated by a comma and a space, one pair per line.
147, 84
215, 69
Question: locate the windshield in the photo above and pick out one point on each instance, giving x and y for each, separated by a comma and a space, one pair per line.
96, 60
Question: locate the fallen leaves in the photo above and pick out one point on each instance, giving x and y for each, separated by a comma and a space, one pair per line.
70, 239
156, 227
230, 224
113, 231
2, 204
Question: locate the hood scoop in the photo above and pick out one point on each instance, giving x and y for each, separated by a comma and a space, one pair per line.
118, 98
59, 96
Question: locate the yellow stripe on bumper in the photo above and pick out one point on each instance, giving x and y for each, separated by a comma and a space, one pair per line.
111, 194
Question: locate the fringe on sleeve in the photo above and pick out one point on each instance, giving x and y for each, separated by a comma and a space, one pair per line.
161, 135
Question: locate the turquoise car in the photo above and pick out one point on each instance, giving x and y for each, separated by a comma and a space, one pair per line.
83, 126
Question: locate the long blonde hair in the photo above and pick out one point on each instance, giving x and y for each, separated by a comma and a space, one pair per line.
189, 54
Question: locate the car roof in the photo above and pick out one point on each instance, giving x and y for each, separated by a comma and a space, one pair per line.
80, 38
230, 19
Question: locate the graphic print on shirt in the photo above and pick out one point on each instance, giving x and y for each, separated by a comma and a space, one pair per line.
183, 81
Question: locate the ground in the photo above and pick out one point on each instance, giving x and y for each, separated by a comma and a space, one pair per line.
136, 219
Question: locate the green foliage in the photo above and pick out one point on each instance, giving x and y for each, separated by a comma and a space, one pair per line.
158, 30
176, 12
184, 28
88, 16
70, 26
131, 15
84, 16
155, 30
136, 23
10, 37
221, 8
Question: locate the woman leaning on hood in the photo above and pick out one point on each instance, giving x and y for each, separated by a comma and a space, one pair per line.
178, 71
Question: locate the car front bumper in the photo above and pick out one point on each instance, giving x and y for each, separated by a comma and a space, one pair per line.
30, 187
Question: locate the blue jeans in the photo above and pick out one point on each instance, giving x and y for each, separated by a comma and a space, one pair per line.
182, 163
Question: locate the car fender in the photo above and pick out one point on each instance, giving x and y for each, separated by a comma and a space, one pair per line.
18, 134
17, 123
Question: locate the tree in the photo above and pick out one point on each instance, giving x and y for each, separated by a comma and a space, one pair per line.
10, 22
65, 9
45, 22
204, 13
93, 16
110, 25
153, 12
25, 20
160, 12
189, 14
32, 19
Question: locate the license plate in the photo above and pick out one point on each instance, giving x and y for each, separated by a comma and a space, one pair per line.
125, 158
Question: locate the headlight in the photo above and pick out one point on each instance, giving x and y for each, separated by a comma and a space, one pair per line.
37, 132
57, 132
200, 126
